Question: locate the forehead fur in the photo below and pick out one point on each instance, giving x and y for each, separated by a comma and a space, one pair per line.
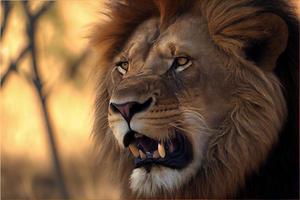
125, 16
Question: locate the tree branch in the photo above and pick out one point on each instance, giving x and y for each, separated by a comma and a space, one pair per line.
74, 66
13, 66
43, 9
39, 89
6, 10
36, 80
7, 7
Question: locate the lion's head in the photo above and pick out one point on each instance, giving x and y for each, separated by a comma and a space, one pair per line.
188, 104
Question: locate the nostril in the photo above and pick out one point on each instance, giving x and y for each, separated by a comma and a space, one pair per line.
139, 107
127, 110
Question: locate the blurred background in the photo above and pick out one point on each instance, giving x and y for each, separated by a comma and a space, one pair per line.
47, 95
46, 100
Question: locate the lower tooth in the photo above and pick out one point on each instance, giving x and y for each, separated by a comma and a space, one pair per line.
143, 156
134, 150
156, 154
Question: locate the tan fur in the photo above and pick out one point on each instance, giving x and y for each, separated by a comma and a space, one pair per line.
254, 109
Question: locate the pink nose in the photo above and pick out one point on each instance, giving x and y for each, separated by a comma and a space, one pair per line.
125, 110
128, 109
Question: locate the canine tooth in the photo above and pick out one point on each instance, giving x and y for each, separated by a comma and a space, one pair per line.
143, 156
161, 150
134, 150
156, 154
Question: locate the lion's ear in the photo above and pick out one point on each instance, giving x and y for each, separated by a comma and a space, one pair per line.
264, 37
272, 42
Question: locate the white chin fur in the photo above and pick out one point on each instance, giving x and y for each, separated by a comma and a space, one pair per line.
160, 178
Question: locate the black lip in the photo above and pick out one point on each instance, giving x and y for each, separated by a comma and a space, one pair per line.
178, 159
128, 138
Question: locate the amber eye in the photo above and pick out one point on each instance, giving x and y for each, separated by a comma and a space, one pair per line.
122, 67
181, 63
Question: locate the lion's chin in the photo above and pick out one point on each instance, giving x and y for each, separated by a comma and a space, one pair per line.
160, 180
150, 184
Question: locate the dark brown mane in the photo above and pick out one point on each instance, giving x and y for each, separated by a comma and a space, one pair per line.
125, 16
123, 19
169, 10
221, 17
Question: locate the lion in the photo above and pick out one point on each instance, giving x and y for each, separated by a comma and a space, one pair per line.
198, 98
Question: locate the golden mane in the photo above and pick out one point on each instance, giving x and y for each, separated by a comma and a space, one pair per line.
258, 111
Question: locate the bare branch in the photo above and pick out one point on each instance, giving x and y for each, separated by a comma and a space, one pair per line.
13, 66
43, 9
7, 8
74, 67
37, 82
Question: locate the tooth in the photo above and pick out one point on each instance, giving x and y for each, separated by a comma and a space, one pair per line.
134, 150
161, 150
148, 154
143, 156
156, 154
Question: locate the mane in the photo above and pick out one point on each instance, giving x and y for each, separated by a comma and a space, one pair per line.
125, 16
227, 151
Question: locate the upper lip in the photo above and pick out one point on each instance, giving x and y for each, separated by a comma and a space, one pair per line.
175, 152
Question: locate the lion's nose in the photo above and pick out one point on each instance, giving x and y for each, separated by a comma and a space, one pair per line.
128, 109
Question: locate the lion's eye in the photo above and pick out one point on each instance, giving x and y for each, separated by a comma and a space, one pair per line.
122, 67
181, 63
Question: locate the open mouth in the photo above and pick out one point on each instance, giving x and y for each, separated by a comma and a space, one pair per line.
176, 152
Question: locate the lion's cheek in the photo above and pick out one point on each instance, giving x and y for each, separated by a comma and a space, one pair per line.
119, 129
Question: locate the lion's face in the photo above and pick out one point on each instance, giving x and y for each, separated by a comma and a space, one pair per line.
168, 93
189, 100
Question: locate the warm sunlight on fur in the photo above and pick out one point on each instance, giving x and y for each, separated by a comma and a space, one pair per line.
190, 99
